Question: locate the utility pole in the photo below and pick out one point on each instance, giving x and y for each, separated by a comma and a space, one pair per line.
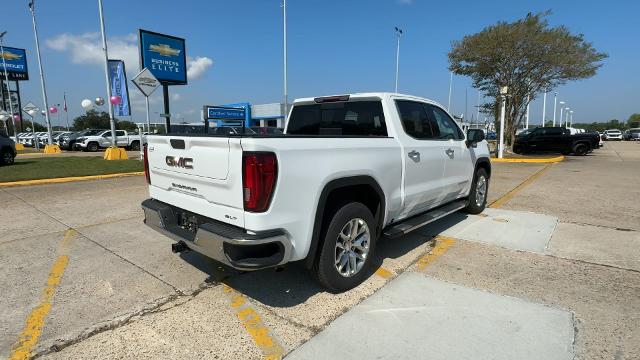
106, 76
450, 84
527, 121
398, 35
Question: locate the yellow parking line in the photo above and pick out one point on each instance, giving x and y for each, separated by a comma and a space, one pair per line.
68, 179
36, 320
532, 161
506, 197
253, 324
442, 245
384, 273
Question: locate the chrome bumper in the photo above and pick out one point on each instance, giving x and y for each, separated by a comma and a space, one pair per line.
230, 245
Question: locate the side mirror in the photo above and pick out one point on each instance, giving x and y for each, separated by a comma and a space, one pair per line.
474, 136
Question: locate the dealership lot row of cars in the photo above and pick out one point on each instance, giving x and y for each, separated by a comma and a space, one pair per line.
86, 140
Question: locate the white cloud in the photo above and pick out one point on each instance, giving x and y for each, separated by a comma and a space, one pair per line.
176, 97
405, 2
87, 49
197, 67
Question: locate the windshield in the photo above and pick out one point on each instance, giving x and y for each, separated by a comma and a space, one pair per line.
91, 132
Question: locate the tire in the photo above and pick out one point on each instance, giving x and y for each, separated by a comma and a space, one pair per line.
6, 157
478, 194
344, 276
580, 149
135, 146
518, 149
93, 147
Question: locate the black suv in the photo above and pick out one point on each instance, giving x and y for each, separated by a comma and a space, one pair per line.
556, 139
7, 150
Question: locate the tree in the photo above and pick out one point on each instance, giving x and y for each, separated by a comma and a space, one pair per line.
634, 121
528, 56
94, 119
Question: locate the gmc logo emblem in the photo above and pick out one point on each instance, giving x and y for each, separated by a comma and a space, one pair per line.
174, 161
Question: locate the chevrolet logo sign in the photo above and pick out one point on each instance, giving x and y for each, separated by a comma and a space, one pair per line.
10, 56
164, 50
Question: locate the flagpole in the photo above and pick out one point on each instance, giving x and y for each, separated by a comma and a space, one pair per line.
66, 111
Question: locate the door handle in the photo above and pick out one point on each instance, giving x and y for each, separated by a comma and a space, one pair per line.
449, 152
414, 155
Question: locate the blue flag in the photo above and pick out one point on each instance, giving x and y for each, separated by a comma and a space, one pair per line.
119, 87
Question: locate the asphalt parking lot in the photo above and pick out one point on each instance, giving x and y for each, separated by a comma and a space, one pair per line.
551, 271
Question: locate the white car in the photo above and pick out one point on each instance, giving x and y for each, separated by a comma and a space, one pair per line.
103, 140
348, 169
613, 134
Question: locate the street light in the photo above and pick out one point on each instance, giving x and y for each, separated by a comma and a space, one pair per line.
566, 115
450, 86
503, 96
571, 119
6, 78
398, 35
544, 108
555, 102
561, 108
50, 148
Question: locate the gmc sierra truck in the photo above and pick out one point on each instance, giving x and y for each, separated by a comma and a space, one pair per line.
347, 170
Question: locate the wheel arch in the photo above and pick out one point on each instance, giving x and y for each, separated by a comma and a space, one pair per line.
483, 163
357, 187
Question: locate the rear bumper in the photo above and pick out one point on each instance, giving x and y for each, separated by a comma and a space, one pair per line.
228, 244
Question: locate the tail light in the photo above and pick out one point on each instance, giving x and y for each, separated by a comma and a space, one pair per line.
259, 174
146, 164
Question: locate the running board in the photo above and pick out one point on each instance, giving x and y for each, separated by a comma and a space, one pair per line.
418, 221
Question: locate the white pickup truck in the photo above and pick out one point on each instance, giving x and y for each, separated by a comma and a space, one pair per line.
103, 140
347, 170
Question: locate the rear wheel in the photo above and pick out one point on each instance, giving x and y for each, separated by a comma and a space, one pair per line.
478, 193
349, 242
518, 149
6, 157
93, 147
580, 149
135, 146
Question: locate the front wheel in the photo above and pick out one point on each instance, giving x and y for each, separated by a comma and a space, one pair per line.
93, 147
580, 149
346, 255
135, 146
478, 193
6, 157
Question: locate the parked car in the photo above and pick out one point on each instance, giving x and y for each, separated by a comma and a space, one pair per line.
7, 150
102, 139
492, 135
613, 134
631, 134
67, 142
347, 169
556, 139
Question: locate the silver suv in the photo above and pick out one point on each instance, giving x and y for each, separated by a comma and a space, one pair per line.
7, 150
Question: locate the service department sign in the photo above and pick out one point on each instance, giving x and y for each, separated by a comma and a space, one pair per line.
164, 56
16, 60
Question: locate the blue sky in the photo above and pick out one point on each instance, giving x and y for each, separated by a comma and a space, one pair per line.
334, 47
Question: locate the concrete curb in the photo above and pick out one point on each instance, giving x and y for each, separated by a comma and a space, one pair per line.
533, 161
68, 179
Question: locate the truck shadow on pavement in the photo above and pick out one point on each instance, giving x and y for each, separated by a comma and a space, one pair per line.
293, 284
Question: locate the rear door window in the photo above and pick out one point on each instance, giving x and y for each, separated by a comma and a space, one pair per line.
415, 121
355, 118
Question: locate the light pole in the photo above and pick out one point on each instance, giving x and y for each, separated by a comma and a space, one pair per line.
6, 78
571, 118
284, 35
555, 102
503, 97
527, 121
450, 85
544, 107
50, 148
561, 107
398, 35
566, 115
114, 144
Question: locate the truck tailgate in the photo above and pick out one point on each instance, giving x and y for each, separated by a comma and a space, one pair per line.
202, 175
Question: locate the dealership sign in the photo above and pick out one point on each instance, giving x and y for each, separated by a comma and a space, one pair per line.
16, 61
146, 82
164, 56
224, 113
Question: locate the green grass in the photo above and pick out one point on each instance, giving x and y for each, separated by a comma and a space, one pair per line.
57, 167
